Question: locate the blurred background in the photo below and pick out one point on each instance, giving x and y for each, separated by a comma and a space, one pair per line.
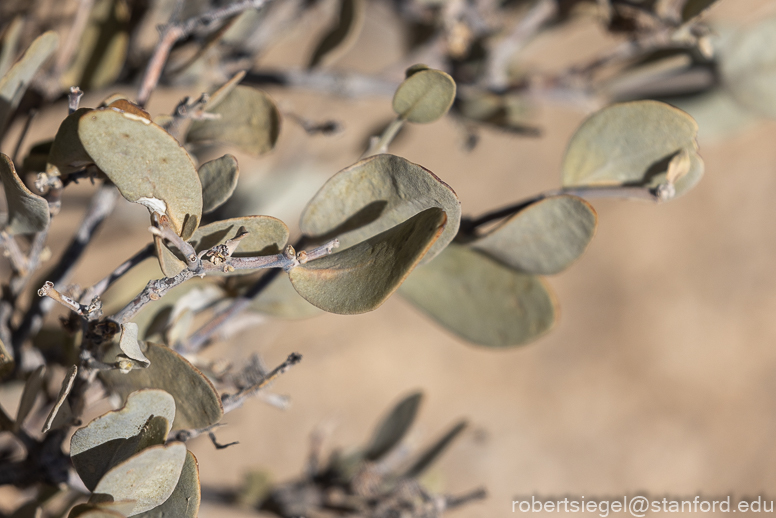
658, 377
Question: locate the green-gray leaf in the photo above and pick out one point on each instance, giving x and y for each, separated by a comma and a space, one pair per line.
247, 119
219, 180
432, 453
394, 427
632, 144
146, 163
424, 96
342, 35
362, 277
93, 511
196, 400
14, 83
95, 448
374, 195
748, 67
266, 236
148, 478
184, 500
67, 154
27, 212
480, 299
543, 238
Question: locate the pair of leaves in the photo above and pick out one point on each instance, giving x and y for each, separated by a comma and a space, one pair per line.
122, 458
388, 214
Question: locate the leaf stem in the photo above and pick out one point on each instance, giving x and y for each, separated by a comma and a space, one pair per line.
380, 145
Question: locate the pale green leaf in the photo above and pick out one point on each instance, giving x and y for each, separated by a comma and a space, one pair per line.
67, 154
632, 144
197, 404
219, 180
16, 81
9, 43
480, 299
341, 37
362, 277
247, 118
394, 427
146, 163
543, 238
374, 195
185, 498
424, 96
98, 446
27, 212
148, 478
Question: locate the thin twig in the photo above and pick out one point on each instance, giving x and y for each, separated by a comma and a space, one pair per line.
74, 99
233, 401
100, 207
100, 288
175, 31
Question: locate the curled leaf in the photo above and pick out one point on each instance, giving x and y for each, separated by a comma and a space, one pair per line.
374, 195
632, 144
32, 388
543, 238
130, 346
197, 403
147, 478
480, 299
60, 413
27, 212
219, 180
146, 163
362, 277
425, 96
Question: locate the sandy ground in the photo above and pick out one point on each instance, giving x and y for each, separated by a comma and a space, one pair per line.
658, 377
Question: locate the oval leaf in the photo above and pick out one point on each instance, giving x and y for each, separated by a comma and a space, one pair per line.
94, 448
543, 238
432, 453
219, 180
185, 499
145, 162
632, 144
481, 300
362, 277
27, 212
148, 478
266, 236
394, 427
374, 195
343, 35
247, 118
748, 67
424, 96
67, 154
14, 84
196, 401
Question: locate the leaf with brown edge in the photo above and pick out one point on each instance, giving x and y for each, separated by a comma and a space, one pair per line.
28, 213
362, 277
14, 83
146, 163
632, 144
266, 236
147, 478
117, 435
197, 404
219, 180
424, 96
543, 238
480, 299
247, 118
185, 498
374, 195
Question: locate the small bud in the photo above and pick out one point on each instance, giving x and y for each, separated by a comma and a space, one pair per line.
124, 365
302, 257
289, 252
228, 268
153, 295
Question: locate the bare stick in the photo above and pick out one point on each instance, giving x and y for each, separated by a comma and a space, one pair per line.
173, 32
99, 288
74, 99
